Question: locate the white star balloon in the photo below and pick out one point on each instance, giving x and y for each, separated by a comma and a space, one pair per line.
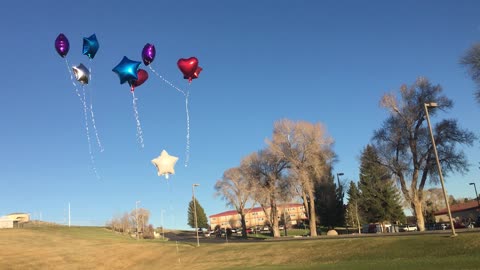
165, 164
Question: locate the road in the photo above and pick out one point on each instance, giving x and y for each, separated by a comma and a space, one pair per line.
190, 236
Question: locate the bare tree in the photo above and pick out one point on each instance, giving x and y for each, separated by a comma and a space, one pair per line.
264, 171
307, 149
140, 217
236, 191
404, 145
471, 60
125, 223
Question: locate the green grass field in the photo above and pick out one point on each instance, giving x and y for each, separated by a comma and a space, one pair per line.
98, 248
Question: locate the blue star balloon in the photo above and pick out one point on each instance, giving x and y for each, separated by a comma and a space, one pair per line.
127, 70
90, 46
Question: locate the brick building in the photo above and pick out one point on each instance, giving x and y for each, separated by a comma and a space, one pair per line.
294, 213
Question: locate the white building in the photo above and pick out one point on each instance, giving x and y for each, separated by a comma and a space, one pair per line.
6, 222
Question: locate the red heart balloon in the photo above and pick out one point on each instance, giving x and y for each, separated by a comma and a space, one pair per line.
142, 76
195, 74
188, 67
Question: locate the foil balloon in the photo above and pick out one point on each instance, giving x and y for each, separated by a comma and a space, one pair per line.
90, 46
127, 70
188, 67
142, 76
165, 164
81, 73
148, 54
62, 45
195, 74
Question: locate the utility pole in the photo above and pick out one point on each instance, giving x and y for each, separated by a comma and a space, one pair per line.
195, 211
69, 214
136, 216
163, 233
433, 105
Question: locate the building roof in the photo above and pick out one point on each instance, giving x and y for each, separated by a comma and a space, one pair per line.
459, 207
253, 210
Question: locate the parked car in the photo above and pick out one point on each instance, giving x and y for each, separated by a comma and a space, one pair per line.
409, 228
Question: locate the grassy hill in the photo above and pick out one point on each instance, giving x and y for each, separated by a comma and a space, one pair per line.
57, 247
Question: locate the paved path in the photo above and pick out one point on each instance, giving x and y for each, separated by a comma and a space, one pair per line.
190, 236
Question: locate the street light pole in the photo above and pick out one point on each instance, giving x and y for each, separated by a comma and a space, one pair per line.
195, 211
163, 233
433, 105
136, 216
338, 178
476, 194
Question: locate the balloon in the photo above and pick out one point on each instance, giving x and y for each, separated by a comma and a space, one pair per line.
148, 54
82, 74
188, 67
142, 77
127, 70
195, 74
62, 45
165, 164
90, 46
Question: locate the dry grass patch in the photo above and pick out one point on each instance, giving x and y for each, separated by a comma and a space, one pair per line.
98, 248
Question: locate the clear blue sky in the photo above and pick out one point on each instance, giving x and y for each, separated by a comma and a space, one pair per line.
320, 61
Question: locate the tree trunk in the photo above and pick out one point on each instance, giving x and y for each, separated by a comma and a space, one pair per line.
312, 220
417, 206
358, 219
244, 225
274, 215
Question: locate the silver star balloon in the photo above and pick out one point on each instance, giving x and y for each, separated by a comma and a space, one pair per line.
82, 74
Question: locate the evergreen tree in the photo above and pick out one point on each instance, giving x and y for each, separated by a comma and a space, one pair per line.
353, 215
380, 200
202, 221
329, 201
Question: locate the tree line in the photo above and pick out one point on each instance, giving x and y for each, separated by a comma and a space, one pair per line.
133, 223
396, 166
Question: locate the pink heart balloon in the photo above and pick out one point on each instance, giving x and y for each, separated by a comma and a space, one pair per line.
188, 67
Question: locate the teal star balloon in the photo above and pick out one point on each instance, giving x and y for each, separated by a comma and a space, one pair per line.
127, 70
90, 46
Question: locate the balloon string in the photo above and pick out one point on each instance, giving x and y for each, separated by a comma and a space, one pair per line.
92, 115
83, 102
90, 70
186, 94
137, 119
166, 81
95, 127
187, 147
92, 158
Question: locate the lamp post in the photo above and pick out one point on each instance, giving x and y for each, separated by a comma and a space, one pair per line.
136, 216
433, 105
195, 211
163, 233
338, 178
476, 194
